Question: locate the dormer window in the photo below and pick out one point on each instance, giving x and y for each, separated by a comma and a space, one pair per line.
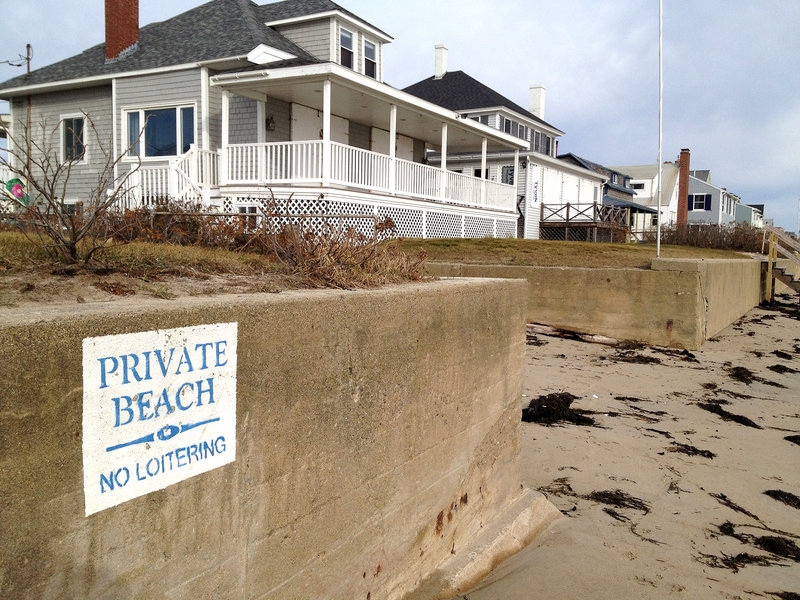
370, 60
346, 48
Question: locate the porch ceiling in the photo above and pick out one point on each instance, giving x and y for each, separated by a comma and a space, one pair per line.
370, 105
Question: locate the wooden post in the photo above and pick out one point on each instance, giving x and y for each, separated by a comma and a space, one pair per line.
768, 294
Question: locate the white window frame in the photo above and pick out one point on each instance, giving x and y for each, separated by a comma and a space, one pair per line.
142, 145
365, 59
351, 50
63, 135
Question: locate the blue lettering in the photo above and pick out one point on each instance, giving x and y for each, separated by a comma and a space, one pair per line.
208, 449
185, 360
203, 350
157, 467
221, 347
114, 479
209, 391
164, 368
132, 368
180, 455
142, 405
219, 444
138, 476
146, 365
164, 401
192, 451
168, 455
179, 394
120, 409
103, 371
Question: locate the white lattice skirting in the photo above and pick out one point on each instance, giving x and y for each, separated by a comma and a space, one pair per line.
412, 218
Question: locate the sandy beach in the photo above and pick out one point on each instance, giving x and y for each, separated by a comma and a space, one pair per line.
686, 485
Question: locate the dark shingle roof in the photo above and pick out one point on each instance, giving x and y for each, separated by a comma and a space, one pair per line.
458, 91
215, 30
597, 168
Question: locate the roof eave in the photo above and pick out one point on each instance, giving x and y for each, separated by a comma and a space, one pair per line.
374, 31
80, 82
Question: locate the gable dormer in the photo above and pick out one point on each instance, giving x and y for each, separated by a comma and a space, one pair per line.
338, 36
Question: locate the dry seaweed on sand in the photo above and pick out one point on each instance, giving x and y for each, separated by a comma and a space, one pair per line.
619, 499
724, 500
728, 416
734, 563
554, 408
531, 339
630, 356
787, 498
782, 369
746, 376
774, 544
795, 439
785, 595
782, 354
684, 354
690, 450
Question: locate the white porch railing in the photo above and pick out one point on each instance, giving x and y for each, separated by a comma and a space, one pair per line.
286, 163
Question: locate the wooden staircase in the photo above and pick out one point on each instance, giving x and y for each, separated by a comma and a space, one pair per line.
789, 248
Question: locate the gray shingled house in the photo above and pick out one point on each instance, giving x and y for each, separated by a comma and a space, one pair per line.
231, 102
547, 188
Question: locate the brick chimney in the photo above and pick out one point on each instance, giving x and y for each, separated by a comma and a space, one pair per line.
122, 28
683, 187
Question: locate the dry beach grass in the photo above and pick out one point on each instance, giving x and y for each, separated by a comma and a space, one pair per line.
686, 485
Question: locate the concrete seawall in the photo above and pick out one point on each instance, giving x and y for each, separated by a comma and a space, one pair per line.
376, 437
678, 302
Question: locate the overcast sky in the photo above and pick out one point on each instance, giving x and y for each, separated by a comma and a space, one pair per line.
731, 72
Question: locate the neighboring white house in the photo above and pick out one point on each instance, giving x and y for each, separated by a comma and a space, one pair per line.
541, 179
752, 214
644, 182
237, 101
709, 203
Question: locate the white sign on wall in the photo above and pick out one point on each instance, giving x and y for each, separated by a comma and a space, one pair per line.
158, 407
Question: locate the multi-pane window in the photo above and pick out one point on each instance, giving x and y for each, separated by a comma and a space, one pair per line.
699, 201
477, 173
346, 48
370, 60
167, 131
74, 147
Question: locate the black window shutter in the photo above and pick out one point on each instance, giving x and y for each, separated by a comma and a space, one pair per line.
708, 201
690, 203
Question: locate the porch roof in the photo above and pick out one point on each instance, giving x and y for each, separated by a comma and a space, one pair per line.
363, 100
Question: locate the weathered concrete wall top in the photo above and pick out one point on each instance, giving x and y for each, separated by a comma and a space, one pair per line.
376, 434
677, 303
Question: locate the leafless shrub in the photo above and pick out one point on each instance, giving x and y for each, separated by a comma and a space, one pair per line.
69, 232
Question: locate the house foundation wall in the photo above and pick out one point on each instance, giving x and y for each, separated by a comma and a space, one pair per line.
376, 435
679, 303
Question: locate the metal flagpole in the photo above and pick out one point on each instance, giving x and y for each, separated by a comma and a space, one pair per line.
660, 128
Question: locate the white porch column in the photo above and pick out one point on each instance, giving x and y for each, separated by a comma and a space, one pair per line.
392, 149
326, 132
484, 145
223, 157
443, 185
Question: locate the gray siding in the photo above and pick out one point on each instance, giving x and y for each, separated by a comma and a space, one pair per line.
47, 111
282, 113
214, 116
360, 135
243, 120
159, 90
314, 37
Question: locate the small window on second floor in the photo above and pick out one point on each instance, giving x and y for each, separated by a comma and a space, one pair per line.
346, 48
74, 148
637, 186
370, 60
